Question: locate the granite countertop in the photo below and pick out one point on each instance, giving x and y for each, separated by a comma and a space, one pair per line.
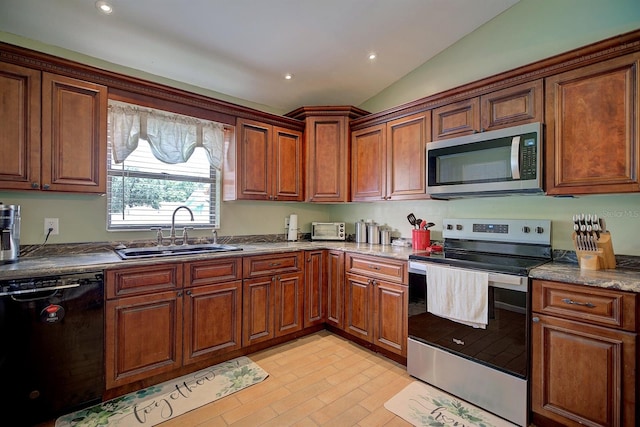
86, 257
622, 279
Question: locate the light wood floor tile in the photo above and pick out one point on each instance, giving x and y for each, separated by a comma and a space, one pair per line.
318, 380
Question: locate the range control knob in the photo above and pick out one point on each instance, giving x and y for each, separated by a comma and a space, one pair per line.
539, 230
459, 227
526, 229
449, 226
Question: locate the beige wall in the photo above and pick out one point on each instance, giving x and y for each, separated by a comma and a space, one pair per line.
529, 31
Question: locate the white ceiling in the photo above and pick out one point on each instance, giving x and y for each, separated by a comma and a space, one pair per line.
243, 48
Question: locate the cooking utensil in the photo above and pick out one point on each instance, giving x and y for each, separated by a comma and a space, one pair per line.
412, 219
418, 222
423, 224
428, 225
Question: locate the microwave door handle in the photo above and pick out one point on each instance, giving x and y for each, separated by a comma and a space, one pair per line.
515, 157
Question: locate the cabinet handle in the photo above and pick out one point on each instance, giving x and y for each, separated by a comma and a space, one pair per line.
274, 264
374, 267
572, 302
535, 319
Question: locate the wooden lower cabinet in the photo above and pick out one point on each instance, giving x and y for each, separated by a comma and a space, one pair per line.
143, 337
212, 320
583, 368
315, 288
335, 288
273, 296
163, 317
376, 301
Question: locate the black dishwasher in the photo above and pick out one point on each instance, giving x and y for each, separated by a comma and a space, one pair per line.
51, 345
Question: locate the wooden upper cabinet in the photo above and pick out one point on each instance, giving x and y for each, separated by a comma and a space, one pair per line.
407, 140
269, 163
288, 181
368, 163
388, 160
327, 159
592, 115
74, 135
327, 150
20, 124
516, 105
457, 119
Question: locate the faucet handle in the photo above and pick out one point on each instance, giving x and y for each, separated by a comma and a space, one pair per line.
159, 235
185, 236
215, 236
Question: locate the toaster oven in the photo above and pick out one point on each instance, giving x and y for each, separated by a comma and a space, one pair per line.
328, 231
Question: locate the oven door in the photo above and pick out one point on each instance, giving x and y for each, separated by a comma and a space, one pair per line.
486, 367
503, 345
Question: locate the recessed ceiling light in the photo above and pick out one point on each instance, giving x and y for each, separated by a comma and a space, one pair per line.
104, 7
288, 76
372, 56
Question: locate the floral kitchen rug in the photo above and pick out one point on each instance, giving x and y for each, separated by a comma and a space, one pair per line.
423, 405
156, 404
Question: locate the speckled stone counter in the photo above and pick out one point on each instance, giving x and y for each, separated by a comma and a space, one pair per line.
623, 279
67, 259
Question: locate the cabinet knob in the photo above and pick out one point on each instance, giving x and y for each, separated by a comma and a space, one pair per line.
535, 319
45, 187
189, 293
35, 185
179, 293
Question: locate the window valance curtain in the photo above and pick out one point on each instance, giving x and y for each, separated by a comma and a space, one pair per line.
172, 137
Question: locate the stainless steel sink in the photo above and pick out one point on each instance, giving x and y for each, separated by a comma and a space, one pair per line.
162, 251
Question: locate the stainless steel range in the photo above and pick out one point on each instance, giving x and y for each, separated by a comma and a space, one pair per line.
469, 311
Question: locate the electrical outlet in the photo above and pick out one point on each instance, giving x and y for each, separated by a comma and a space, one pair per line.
286, 223
51, 223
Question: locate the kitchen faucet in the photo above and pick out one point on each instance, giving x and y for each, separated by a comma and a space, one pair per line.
172, 235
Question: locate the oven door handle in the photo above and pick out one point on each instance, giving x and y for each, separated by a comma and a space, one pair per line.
494, 278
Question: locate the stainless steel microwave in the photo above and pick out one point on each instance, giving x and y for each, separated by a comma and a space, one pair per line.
493, 163
328, 231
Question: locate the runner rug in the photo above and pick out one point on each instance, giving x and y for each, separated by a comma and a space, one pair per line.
159, 403
423, 405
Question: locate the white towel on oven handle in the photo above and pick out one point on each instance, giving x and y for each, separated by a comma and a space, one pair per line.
459, 295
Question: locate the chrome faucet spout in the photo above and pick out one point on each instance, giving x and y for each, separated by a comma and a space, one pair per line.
173, 222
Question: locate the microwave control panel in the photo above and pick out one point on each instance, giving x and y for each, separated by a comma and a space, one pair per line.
529, 152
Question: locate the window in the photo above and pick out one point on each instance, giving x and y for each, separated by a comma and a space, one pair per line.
158, 161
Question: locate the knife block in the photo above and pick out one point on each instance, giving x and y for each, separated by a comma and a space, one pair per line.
602, 258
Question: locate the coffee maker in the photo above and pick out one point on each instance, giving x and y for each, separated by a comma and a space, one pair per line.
9, 233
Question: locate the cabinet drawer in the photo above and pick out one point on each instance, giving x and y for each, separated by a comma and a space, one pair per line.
142, 280
371, 266
272, 264
594, 305
212, 271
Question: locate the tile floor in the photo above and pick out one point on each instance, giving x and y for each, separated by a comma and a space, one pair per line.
318, 380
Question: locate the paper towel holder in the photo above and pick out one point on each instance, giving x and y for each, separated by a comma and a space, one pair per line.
292, 230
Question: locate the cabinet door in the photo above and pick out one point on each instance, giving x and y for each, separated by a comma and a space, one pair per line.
287, 166
582, 374
327, 159
406, 156
289, 303
457, 119
517, 105
258, 301
255, 159
20, 123
74, 135
315, 288
143, 337
335, 288
368, 164
358, 306
390, 316
212, 320
592, 143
